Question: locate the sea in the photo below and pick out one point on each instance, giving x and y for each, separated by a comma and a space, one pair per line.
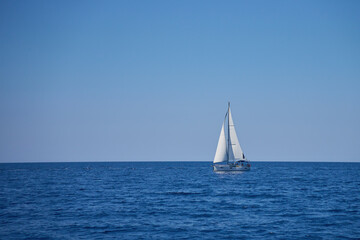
179, 200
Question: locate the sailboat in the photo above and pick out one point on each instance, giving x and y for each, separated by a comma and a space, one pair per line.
229, 156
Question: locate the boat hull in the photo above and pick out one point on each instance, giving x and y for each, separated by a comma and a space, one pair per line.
231, 168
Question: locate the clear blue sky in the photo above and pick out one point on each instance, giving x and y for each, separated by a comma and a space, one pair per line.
150, 80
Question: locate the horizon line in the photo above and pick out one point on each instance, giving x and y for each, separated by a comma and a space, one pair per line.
144, 161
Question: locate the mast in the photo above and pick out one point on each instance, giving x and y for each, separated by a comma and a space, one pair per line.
228, 155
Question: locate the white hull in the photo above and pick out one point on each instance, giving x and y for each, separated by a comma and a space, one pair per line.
231, 168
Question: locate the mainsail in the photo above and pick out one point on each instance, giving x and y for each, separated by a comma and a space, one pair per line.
236, 151
228, 150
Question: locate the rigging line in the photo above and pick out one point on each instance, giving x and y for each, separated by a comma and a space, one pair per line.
228, 148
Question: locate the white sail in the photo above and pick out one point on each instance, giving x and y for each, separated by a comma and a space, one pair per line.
231, 152
220, 155
235, 150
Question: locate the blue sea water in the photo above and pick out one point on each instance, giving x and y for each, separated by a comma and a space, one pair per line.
179, 200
